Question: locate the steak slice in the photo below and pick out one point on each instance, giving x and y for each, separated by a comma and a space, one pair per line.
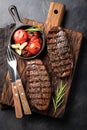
38, 87
59, 52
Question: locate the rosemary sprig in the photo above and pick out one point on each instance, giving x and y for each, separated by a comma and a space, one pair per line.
32, 29
59, 94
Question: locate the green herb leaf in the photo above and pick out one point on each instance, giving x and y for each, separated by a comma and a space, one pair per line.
33, 29
59, 94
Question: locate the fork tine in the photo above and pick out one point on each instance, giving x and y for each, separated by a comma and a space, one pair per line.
8, 58
10, 55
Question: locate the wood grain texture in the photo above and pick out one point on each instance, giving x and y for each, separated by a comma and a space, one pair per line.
17, 103
23, 98
75, 39
7, 96
55, 15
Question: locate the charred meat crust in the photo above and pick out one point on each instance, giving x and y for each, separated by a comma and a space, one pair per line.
38, 88
59, 52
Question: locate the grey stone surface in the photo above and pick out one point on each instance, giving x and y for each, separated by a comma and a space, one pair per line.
75, 117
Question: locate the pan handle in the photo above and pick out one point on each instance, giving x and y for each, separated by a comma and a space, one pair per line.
14, 13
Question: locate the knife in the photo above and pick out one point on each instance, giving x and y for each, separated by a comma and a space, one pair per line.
16, 98
21, 91
22, 95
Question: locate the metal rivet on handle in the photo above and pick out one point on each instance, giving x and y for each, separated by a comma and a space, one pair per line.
19, 84
16, 94
15, 87
22, 93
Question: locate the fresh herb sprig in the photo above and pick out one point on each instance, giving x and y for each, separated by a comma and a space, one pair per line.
58, 96
32, 29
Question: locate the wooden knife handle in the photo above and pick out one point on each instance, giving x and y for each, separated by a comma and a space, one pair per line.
23, 98
55, 15
17, 104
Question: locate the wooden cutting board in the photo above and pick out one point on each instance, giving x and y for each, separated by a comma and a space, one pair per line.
54, 18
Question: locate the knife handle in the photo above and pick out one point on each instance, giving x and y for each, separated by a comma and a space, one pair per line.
17, 104
23, 98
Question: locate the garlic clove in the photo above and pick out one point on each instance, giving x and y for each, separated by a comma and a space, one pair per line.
15, 46
18, 51
23, 45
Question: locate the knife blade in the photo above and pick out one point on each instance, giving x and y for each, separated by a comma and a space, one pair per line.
11, 71
17, 103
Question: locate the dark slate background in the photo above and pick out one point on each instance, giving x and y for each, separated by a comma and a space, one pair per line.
75, 18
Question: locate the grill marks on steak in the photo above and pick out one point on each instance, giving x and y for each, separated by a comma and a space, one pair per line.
38, 85
59, 52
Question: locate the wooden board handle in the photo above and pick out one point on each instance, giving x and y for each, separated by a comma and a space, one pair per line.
17, 104
55, 15
23, 98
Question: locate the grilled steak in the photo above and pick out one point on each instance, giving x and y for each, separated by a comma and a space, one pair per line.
59, 52
38, 87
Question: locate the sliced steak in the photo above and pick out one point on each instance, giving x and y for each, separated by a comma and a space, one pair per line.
38, 88
59, 52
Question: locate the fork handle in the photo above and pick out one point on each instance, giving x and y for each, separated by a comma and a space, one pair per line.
17, 104
23, 98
